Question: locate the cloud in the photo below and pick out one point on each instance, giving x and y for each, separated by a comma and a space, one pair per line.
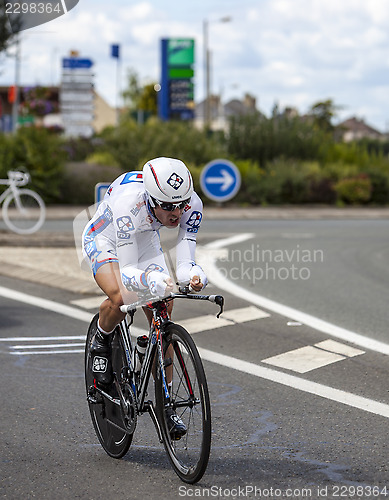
295, 53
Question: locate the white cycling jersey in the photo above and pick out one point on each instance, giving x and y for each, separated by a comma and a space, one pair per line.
124, 230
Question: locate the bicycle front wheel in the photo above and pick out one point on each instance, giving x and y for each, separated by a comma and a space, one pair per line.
106, 416
189, 398
24, 212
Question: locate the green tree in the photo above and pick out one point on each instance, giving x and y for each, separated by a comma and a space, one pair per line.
131, 145
137, 97
7, 37
131, 95
261, 139
323, 113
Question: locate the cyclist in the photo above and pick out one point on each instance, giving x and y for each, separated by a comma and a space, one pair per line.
123, 247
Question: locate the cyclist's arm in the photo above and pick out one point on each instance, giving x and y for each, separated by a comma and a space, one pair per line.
186, 243
141, 262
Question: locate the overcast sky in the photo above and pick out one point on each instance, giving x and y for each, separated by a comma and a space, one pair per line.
293, 52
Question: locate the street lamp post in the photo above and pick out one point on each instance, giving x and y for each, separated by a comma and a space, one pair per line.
207, 70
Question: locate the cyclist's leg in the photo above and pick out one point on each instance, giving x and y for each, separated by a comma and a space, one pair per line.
109, 280
151, 256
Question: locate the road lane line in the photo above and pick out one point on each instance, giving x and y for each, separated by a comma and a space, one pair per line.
62, 351
298, 383
48, 346
50, 305
229, 362
207, 259
39, 339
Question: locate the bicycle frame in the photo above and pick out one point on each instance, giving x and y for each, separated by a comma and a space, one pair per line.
15, 179
180, 408
160, 322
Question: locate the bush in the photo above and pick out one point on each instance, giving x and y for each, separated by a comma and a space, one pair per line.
41, 153
80, 179
355, 190
131, 145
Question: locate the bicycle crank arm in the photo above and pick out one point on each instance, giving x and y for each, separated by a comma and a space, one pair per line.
150, 408
110, 398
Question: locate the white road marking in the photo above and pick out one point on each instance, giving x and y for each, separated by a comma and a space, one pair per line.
229, 362
306, 359
244, 314
40, 339
48, 346
208, 261
50, 305
202, 323
62, 351
298, 383
230, 317
337, 347
90, 302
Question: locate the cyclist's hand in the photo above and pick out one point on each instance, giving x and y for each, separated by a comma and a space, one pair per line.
160, 284
198, 279
196, 284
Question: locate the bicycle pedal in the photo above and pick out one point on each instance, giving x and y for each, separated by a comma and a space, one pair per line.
93, 397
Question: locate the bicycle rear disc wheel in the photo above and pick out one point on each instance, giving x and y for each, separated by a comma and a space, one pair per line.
25, 213
189, 398
114, 440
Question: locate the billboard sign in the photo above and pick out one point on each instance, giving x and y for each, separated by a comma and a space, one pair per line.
176, 98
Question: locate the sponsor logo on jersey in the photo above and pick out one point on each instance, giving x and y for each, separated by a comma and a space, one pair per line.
194, 222
98, 225
132, 177
125, 224
124, 243
154, 267
175, 181
130, 282
135, 211
123, 236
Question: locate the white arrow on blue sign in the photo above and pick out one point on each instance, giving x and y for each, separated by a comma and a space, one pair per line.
76, 63
220, 180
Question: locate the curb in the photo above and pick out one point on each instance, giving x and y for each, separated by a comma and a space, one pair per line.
285, 212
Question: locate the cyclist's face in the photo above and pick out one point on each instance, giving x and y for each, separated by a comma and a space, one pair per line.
168, 219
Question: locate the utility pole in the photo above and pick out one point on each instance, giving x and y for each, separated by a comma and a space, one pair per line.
15, 105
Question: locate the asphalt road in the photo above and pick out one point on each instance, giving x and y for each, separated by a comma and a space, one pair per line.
336, 270
277, 433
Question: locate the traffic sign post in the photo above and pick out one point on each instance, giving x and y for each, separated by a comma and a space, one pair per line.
100, 189
220, 180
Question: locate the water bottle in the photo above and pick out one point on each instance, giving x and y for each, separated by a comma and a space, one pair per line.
139, 351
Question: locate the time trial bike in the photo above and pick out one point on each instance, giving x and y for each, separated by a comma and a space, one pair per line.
172, 361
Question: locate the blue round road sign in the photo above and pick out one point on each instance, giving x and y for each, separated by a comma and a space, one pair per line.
220, 180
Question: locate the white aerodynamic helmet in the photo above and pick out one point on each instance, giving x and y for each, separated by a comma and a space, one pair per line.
167, 182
